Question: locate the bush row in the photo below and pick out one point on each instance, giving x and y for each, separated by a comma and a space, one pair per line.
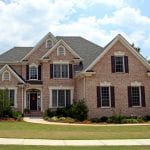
121, 119
78, 110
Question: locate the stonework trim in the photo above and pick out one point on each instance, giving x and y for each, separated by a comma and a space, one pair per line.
3, 76
105, 83
119, 53
136, 83
6, 67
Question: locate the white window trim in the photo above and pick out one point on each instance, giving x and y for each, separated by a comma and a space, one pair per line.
47, 41
123, 64
15, 89
3, 76
59, 88
63, 49
109, 97
33, 65
60, 63
139, 96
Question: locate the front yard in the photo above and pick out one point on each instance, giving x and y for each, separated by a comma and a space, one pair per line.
14, 147
35, 131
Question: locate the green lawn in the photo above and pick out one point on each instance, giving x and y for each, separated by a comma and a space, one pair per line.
30, 130
14, 147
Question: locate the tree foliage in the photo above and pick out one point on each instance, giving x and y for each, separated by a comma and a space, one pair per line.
138, 49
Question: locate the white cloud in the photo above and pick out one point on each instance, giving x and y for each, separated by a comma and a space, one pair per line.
22, 22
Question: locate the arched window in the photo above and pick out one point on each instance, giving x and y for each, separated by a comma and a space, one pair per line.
61, 51
49, 43
6, 75
33, 73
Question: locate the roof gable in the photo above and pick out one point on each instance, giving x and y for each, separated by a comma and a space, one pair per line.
47, 36
7, 67
61, 42
120, 38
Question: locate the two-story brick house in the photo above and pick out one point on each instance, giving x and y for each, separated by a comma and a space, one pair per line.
113, 79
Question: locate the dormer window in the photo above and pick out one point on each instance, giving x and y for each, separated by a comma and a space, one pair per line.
61, 51
33, 72
6, 76
49, 43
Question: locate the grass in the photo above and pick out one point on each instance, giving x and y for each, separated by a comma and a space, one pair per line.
31, 130
14, 147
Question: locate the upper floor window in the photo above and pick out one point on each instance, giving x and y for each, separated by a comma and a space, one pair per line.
49, 43
61, 71
136, 96
6, 75
60, 51
33, 73
119, 64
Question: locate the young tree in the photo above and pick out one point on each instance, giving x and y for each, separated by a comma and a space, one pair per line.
138, 49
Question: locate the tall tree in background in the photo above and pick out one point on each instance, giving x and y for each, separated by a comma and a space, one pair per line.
136, 48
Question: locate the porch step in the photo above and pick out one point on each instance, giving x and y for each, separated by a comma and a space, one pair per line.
34, 114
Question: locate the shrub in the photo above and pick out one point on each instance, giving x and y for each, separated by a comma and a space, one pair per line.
49, 113
69, 120
103, 119
79, 110
54, 118
95, 120
116, 119
146, 118
17, 115
129, 120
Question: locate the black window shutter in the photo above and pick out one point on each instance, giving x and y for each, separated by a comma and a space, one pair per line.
143, 96
98, 97
27, 72
129, 97
39, 72
126, 64
113, 64
51, 71
70, 70
112, 96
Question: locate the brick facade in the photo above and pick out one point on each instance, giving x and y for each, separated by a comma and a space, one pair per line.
84, 86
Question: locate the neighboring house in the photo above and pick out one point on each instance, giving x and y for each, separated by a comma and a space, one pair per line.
114, 79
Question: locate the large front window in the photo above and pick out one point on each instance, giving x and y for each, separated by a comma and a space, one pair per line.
61, 98
33, 73
8, 95
61, 71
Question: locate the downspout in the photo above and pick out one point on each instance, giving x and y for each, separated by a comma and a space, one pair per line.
84, 87
22, 100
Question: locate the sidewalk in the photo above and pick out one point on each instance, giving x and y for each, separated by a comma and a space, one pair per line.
129, 142
40, 120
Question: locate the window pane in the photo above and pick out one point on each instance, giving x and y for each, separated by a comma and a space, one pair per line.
68, 98
61, 51
135, 92
48, 44
57, 70
119, 64
61, 97
12, 97
65, 71
6, 75
54, 98
33, 72
105, 96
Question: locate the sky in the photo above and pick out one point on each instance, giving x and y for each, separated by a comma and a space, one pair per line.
25, 22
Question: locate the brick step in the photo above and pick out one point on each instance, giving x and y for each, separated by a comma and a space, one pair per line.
34, 114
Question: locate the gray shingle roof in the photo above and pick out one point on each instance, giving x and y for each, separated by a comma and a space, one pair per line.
15, 54
84, 48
